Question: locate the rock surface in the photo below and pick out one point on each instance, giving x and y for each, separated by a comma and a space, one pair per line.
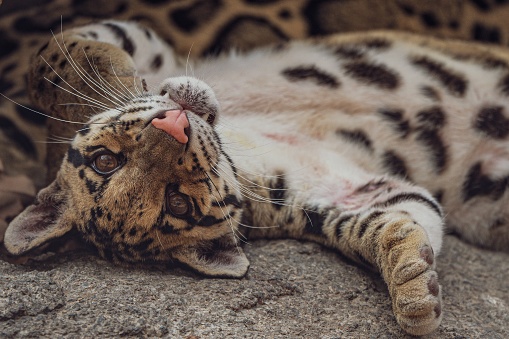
293, 290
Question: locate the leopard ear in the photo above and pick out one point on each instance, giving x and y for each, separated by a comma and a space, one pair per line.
38, 223
218, 258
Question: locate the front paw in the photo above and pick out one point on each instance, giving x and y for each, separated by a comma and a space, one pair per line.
413, 283
417, 304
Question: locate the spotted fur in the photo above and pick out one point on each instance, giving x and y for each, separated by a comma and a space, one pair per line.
338, 140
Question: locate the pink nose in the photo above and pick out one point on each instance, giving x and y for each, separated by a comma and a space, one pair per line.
174, 123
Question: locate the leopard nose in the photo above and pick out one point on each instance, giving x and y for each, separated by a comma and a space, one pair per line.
174, 123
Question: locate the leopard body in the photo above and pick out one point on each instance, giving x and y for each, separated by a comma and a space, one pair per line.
368, 143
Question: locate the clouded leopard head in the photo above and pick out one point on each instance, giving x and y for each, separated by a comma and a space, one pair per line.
147, 181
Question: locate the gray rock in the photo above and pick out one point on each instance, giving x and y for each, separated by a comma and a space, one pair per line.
293, 290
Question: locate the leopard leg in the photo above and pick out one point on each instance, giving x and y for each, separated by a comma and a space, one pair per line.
384, 223
397, 232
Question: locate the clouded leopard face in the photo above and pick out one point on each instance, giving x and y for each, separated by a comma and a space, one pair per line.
146, 181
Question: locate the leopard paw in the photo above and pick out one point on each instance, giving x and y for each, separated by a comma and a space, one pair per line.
416, 293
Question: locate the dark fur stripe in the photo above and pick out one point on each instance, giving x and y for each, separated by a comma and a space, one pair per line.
348, 52
367, 222
478, 184
492, 122
394, 164
277, 192
19, 138
230, 199
431, 118
341, 223
432, 141
210, 220
315, 221
157, 62
312, 73
357, 136
431, 93
127, 43
454, 82
403, 197
395, 117
373, 74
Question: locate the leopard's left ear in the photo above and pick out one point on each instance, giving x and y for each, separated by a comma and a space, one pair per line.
220, 257
38, 223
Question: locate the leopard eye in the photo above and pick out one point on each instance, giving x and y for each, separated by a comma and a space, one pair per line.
105, 163
177, 203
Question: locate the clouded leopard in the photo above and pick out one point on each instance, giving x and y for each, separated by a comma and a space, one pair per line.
367, 143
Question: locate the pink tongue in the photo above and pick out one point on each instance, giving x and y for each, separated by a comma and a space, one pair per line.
173, 123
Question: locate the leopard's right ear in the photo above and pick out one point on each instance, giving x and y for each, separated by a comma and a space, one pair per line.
40, 222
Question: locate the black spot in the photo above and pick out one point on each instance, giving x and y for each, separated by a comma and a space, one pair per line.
376, 43
454, 82
497, 223
26, 24
167, 229
312, 73
197, 14
492, 122
430, 20
278, 191
432, 141
367, 222
8, 45
210, 220
91, 186
372, 74
395, 117
6, 84
157, 62
132, 232
142, 246
314, 221
75, 157
454, 24
407, 9
285, 14
431, 118
349, 52
392, 114
230, 199
491, 62
483, 5
127, 43
20, 139
62, 64
356, 136
478, 184
481, 32
227, 37
93, 35
403, 197
431, 93
394, 164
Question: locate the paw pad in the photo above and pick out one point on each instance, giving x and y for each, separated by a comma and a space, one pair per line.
433, 286
427, 254
438, 310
